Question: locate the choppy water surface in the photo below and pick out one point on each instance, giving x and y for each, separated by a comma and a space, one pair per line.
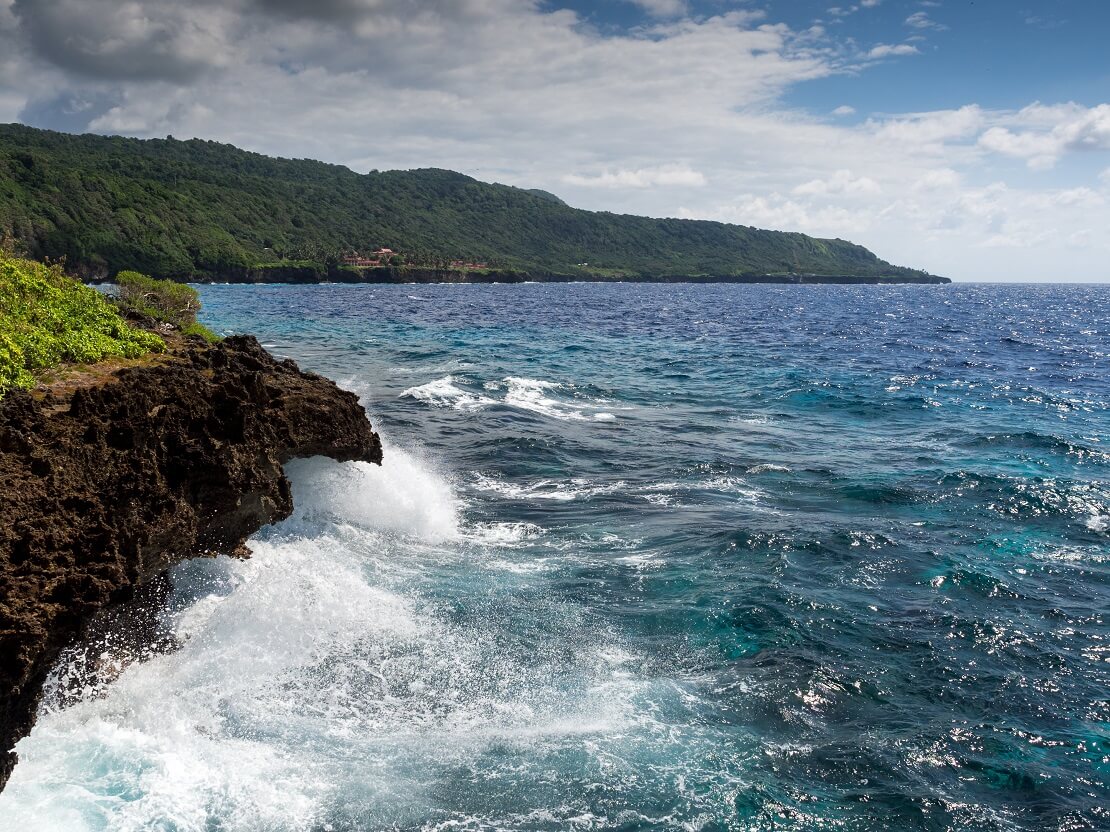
644, 557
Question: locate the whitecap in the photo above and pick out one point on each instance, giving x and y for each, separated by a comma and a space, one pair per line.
533, 395
768, 467
502, 534
444, 392
547, 489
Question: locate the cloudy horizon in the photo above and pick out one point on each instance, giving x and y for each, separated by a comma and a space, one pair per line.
873, 121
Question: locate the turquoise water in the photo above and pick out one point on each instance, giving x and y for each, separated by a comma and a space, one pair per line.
644, 558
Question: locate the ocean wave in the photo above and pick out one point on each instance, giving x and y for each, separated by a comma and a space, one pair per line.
502, 534
403, 495
316, 685
528, 394
444, 392
535, 395
545, 489
665, 494
769, 467
1043, 442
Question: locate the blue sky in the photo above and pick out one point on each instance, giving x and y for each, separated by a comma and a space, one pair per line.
968, 138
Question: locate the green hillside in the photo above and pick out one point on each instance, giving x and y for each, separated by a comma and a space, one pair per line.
198, 209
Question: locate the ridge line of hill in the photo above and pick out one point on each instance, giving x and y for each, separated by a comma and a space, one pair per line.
199, 210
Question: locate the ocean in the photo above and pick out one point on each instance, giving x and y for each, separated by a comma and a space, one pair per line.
643, 557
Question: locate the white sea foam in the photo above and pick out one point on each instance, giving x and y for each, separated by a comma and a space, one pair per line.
319, 684
503, 534
402, 495
532, 395
768, 467
535, 396
1097, 521
545, 489
444, 392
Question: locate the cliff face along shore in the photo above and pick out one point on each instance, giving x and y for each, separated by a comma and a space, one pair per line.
107, 484
408, 274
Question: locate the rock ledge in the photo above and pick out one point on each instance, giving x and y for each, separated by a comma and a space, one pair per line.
103, 487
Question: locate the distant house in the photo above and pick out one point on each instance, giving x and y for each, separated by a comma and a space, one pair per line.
375, 259
463, 266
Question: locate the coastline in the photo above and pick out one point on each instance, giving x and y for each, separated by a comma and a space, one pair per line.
108, 479
303, 275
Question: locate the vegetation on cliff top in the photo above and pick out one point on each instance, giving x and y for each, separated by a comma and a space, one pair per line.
47, 318
164, 301
198, 209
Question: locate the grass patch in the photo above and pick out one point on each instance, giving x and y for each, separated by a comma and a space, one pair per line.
165, 301
47, 319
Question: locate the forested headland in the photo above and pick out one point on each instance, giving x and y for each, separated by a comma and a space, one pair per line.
200, 210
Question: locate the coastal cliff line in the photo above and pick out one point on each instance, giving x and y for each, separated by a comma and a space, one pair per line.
108, 481
321, 273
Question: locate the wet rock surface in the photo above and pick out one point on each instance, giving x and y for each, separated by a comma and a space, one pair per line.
105, 486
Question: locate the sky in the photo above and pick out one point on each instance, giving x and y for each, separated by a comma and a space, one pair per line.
970, 138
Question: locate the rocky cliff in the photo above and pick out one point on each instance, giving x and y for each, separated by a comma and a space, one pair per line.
108, 482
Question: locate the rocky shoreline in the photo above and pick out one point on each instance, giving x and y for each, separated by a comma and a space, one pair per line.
408, 274
107, 483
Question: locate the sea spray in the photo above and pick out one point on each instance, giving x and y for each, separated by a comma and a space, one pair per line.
315, 683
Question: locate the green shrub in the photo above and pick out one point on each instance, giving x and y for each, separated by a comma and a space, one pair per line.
165, 301
47, 318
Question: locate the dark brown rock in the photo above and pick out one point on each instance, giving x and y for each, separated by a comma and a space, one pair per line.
104, 486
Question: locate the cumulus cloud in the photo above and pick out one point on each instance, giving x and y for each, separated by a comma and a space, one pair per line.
840, 183
921, 20
664, 175
679, 117
128, 41
939, 179
782, 213
886, 50
1041, 135
932, 128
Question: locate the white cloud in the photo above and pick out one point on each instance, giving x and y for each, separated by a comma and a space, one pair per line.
933, 128
781, 213
159, 39
1040, 151
886, 50
664, 175
842, 182
662, 8
1041, 135
683, 117
921, 20
939, 179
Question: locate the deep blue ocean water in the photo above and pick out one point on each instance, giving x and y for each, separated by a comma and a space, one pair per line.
644, 558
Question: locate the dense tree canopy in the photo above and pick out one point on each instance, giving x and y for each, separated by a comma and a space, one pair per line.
195, 209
